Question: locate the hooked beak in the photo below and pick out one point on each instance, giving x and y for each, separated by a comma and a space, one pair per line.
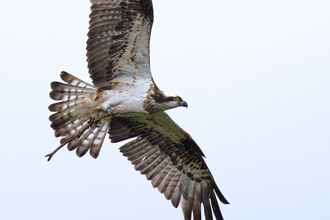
183, 104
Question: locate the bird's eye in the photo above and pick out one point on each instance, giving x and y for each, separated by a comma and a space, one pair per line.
177, 98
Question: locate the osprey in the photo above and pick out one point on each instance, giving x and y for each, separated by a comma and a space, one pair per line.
125, 102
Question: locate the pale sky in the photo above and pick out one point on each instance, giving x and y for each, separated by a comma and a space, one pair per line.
256, 76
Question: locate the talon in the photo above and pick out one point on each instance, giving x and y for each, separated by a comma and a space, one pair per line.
93, 122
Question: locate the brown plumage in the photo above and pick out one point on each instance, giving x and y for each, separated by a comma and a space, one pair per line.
126, 103
171, 159
110, 34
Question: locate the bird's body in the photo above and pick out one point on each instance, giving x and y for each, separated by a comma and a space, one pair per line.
126, 103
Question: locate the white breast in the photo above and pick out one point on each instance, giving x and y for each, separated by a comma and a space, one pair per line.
127, 94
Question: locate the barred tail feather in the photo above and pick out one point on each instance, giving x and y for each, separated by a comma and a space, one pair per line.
92, 139
71, 118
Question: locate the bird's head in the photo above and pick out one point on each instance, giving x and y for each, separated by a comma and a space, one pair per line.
169, 101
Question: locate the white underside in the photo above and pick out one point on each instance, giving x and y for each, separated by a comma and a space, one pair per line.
126, 97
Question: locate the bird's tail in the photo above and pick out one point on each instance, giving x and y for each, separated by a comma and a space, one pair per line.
80, 126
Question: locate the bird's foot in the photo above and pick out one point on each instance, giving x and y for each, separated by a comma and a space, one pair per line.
95, 120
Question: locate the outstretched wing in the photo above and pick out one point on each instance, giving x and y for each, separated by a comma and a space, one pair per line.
171, 159
118, 43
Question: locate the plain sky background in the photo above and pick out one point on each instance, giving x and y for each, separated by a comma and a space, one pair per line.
256, 75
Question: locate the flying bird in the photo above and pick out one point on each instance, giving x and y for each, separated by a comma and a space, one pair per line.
125, 102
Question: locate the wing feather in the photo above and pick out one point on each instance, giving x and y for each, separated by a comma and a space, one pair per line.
191, 194
207, 210
119, 36
152, 174
215, 206
186, 210
155, 165
151, 165
171, 182
176, 197
157, 180
199, 192
197, 209
163, 186
170, 158
147, 159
